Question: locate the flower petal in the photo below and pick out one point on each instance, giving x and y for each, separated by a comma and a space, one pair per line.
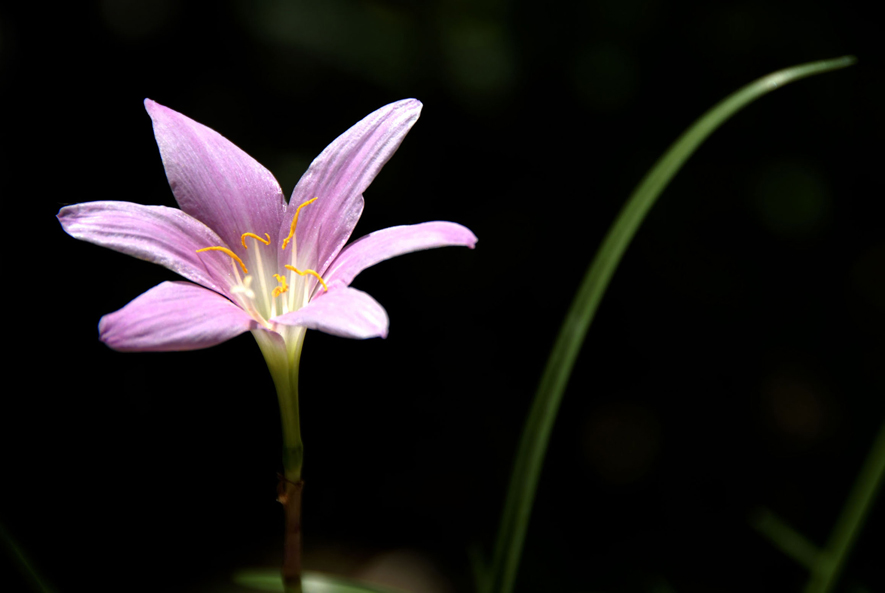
213, 180
174, 316
345, 312
165, 236
387, 243
339, 176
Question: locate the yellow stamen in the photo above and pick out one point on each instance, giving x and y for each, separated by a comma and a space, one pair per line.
280, 289
311, 272
226, 251
254, 236
295, 221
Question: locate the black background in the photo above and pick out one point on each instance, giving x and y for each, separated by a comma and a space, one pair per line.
736, 361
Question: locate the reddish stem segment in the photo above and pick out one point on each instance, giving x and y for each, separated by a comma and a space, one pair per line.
289, 495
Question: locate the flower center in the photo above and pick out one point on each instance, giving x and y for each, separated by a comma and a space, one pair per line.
277, 292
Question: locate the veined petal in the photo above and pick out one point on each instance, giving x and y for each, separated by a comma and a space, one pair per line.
339, 176
174, 316
213, 180
387, 243
345, 312
161, 235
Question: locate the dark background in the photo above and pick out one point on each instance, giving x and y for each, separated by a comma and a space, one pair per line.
736, 361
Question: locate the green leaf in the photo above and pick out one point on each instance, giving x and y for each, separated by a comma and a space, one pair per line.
536, 434
312, 582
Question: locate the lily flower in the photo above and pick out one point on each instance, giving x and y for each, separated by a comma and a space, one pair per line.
255, 262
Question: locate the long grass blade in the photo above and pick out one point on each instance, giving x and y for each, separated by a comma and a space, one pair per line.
825, 572
788, 540
536, 433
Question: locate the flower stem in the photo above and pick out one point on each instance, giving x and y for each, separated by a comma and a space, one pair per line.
289, 495
283, 358
293, 448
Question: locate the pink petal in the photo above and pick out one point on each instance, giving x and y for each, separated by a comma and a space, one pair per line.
165, 236
339, 176
387, 243
344, 312
213, 180
174, 316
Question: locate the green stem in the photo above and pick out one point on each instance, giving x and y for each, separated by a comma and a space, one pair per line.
283, 359
293, 448
536, 434
830, 562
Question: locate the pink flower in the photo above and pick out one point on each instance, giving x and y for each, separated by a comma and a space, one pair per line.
255, 263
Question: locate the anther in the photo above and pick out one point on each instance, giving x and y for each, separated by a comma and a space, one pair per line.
280, 289
256, 237
295, 221
305, 272
226, 251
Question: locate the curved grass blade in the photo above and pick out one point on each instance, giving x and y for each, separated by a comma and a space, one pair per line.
536, 433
